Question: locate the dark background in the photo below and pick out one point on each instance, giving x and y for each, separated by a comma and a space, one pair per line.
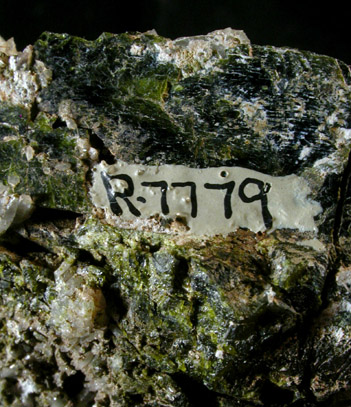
324, 29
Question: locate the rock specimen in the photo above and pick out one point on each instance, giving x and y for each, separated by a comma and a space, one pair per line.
222, 275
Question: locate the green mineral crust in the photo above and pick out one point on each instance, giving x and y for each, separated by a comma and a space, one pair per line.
94, 314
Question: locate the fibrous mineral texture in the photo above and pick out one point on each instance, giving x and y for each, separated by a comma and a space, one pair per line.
96, 314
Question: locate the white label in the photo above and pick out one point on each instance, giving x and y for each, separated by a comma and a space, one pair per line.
207, 201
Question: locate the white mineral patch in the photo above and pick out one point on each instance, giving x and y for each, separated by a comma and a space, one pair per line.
19, 81
338, 335
86, 151
305, 152
29, 152
192, 54
8, 47
66, 113
270, 293
14, 209
346, 306
62, 166
315, 244
13, 180
44, 75
206, 201
335, 161
343, 136
343, 278
28, 386
77, 306
136, 49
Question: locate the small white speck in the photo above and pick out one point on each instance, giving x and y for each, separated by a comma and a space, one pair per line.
305, 152
93, 154
270, 294
338, 335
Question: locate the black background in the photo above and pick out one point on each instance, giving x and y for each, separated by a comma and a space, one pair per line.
322, 27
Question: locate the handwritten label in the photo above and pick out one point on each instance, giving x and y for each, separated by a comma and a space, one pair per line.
207, 201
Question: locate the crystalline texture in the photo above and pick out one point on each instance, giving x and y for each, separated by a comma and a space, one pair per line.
96, 311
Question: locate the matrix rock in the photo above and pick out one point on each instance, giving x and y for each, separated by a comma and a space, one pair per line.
174, 223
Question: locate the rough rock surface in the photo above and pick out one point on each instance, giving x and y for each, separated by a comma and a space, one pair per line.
96, 315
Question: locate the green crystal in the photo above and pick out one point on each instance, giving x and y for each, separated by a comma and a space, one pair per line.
92, 314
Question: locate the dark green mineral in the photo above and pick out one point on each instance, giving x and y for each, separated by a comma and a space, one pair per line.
96, 313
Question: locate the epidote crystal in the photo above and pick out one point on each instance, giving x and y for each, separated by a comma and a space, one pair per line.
99, 312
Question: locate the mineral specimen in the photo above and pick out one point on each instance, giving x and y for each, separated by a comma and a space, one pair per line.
222, 275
